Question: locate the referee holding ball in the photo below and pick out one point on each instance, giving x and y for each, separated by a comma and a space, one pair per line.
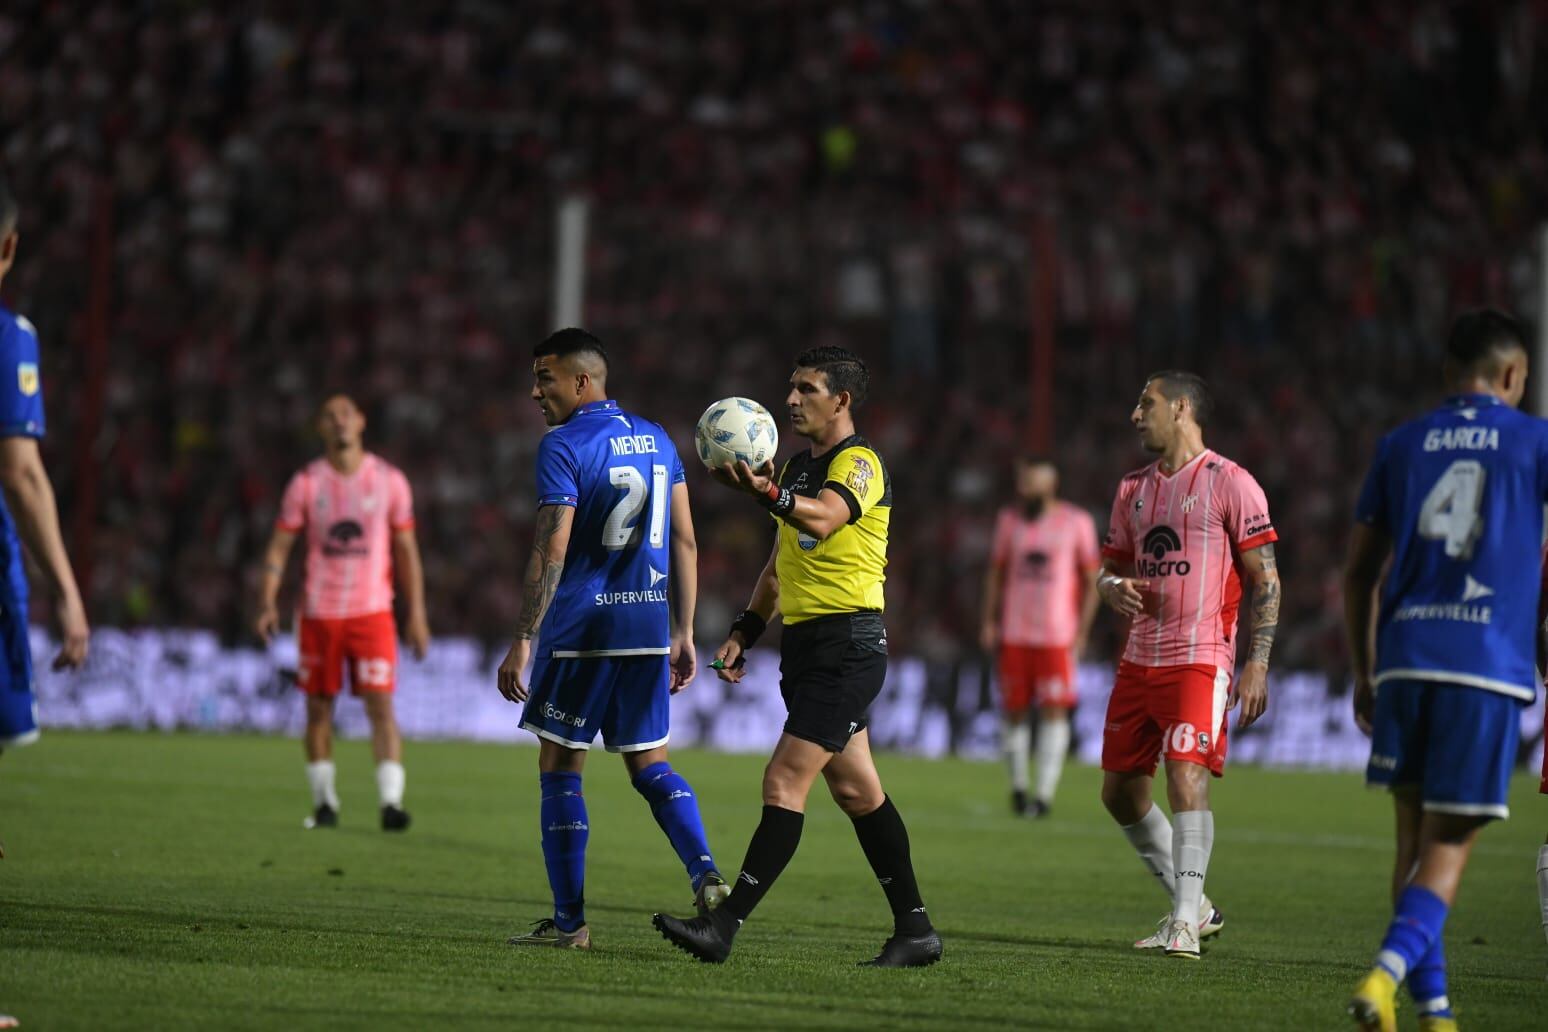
832, 505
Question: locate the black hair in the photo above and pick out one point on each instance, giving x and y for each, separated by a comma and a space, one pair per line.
9, 210
842, 368
322, 402
572, 340
1176, 383
1481, 337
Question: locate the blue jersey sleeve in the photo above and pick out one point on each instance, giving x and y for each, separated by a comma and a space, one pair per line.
1373, 507
21, 385
558, 474
678, 473
1542, 461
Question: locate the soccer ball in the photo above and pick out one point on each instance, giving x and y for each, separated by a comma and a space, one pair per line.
736, 428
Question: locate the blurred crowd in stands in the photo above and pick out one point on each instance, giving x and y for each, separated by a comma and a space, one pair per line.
299, 198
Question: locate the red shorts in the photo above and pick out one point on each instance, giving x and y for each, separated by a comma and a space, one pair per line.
368, 644
1178, 712
1033, 675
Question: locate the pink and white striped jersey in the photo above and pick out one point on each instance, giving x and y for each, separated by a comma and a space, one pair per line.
349, 522
1183, 534
1045, 562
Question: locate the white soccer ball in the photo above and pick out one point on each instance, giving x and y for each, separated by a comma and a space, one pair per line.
736, 428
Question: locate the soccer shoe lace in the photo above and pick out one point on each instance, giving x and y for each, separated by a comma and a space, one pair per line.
712, 892
1211, 920
1156, 939
1373, 1004
546, 933
1183, 941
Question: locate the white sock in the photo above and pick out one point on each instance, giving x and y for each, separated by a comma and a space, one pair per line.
1053, 741
1542, 884
1192, 839
1017, 741
320, 776
389, 782
1151, 837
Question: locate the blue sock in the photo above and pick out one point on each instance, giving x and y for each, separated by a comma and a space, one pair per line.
1416, 926
1427, 982
677, 811
563, 815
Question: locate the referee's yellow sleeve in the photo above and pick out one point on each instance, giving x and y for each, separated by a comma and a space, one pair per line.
858, 471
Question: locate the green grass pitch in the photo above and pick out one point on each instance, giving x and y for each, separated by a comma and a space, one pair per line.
165, 882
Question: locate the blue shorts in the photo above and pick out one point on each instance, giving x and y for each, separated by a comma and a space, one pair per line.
1457, 743
18, 706
627, 698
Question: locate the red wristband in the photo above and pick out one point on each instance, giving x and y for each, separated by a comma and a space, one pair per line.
772, 494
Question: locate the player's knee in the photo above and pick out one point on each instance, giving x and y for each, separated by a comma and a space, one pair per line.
856, 799
1123, 800
1117, 804
1187, 787
554, 758
782, 787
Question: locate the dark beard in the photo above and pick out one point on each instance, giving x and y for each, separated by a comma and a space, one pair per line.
1032, 508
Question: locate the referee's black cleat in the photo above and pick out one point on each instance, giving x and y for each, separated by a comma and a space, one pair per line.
908, 951
702, 937
394, 818
324, 816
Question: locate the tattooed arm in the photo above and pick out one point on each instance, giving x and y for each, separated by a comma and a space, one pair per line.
1262, 571
550, 541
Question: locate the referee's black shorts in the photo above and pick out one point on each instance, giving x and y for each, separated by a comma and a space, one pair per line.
831, 670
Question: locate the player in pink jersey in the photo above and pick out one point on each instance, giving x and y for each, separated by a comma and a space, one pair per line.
1039, 600
1185, 532
358, 515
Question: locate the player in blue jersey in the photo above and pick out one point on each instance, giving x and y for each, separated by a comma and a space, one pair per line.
1542, 785
609, 593
1455, 498
28, 516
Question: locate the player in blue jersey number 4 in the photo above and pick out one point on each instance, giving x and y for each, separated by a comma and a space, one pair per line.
609, 594
1456, 499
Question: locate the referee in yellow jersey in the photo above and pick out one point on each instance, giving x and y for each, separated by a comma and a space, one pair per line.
832, 504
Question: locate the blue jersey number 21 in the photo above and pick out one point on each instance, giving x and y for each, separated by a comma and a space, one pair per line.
621, 531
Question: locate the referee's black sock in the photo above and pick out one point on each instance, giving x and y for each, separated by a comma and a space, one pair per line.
885, 841
771, 848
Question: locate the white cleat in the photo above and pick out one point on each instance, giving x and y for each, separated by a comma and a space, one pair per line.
713, 891
1211, 920
1157, 939
1183, 941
